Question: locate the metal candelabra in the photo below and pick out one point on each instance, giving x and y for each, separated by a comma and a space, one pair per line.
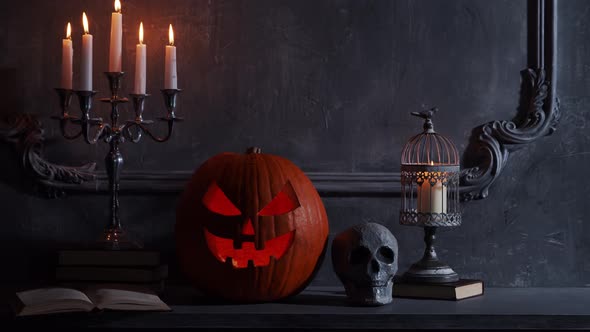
114, 133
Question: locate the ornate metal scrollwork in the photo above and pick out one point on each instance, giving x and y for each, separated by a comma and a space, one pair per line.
26, 133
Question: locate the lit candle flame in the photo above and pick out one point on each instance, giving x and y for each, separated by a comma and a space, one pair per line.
85, 22
431, 163
141, 33
171, 35
117, 6
69, 31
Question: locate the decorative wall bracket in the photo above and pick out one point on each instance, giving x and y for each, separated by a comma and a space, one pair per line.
27, 135
492, 143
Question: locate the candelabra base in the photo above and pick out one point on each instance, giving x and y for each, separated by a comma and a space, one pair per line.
118, 239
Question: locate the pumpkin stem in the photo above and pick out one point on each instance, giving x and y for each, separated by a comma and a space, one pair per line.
254, 149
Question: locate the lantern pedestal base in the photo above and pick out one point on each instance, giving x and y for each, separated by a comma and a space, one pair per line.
429, 269
430, 272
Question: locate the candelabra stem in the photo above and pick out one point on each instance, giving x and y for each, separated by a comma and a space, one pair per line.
114, 164
115, 237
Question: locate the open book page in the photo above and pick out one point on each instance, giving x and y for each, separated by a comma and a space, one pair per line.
126, 298
52, 300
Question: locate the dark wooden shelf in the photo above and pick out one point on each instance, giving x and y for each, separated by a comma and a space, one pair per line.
326, 308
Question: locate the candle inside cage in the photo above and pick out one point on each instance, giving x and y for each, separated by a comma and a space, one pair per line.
432, 198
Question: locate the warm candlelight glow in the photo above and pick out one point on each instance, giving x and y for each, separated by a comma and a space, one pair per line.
431, 163
117, 6
141, 33
69, 31
171, 35
85, 22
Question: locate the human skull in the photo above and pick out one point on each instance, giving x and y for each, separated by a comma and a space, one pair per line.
365, 259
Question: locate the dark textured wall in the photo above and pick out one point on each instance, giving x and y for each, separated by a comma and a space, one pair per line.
329, 85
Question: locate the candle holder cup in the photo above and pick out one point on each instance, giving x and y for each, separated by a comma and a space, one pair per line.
114, 133
139, 100
430, 196
65, 100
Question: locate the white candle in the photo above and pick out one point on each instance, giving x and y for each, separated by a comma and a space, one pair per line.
67, 56
432, 198
86, 63
140, 63
115, 53
170, 79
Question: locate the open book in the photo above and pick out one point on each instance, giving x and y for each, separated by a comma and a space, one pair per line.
57, 300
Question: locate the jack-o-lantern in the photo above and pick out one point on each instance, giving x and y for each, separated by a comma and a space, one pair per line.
250, 227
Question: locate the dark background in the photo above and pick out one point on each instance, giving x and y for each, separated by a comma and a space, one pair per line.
329, 85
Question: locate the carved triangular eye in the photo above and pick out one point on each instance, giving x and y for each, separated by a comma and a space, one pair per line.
216, 201
285, 201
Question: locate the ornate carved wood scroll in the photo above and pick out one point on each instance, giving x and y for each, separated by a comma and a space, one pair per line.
27, 135
492, 143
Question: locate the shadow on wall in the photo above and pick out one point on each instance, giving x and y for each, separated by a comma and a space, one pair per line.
11, 174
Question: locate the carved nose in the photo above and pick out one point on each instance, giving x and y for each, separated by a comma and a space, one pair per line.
375, 266
248, 228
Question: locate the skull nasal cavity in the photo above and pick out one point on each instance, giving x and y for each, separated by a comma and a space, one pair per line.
375, 266
248, 228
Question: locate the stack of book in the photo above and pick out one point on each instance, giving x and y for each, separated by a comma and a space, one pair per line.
80, 268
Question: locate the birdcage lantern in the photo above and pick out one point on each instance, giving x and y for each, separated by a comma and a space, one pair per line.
430, 195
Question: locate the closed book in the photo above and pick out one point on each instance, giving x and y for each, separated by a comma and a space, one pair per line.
462, 289
112, 274
109, 257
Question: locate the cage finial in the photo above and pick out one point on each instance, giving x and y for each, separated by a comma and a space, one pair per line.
427, 116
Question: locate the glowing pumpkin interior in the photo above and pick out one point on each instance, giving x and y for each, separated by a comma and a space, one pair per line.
244, 253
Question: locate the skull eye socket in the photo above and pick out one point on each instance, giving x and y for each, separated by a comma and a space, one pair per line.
360, 255
385, 254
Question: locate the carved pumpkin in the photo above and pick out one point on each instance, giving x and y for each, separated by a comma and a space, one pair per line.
250, 227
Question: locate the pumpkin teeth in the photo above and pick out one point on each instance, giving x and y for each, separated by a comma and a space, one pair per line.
248, 256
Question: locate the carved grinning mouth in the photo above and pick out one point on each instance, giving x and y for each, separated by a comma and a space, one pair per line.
223, 249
